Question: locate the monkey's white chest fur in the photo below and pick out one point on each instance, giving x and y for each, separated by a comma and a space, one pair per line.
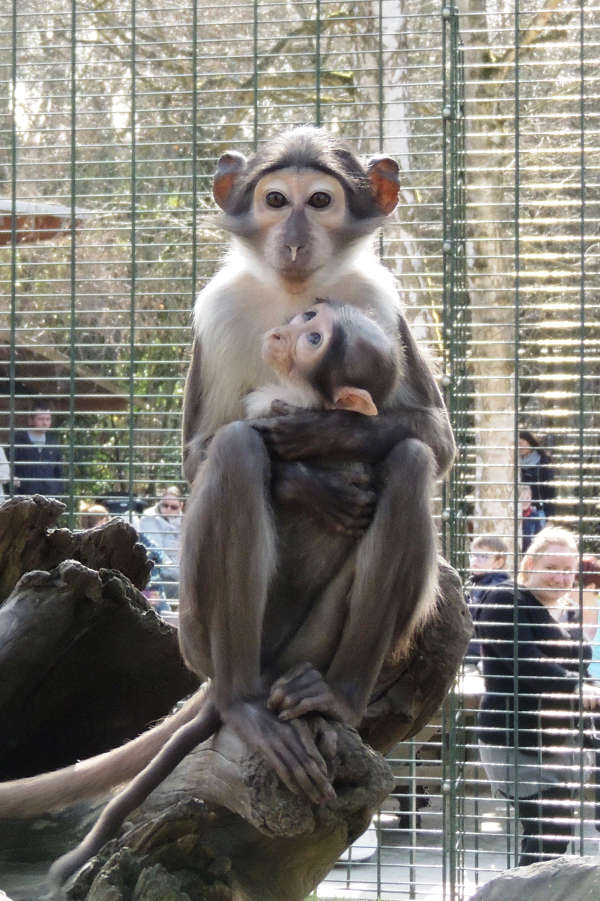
249, 292
258, 403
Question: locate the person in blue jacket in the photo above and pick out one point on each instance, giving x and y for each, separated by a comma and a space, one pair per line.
531, 668
38, 460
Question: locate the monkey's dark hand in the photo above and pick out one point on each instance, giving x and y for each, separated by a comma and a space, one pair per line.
330, 434
282, 408
340, 500
303, 690
288, 747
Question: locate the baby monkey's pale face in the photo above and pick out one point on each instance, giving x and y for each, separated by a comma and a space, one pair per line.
296, 348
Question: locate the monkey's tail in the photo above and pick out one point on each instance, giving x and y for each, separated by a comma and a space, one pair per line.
35, 795
204, 724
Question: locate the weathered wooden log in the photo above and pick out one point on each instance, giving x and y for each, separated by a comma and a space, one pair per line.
275, 847
86, 663
30, 541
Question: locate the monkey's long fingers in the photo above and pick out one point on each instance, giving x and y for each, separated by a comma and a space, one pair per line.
295, 762
302, 677
298, 764
286, 696
324, 701
303, 690
317, 729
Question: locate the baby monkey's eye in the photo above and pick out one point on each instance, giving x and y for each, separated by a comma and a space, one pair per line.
319, 200
310, 314
275, 199
315, 338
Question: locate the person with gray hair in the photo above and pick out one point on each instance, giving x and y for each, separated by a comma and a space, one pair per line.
531, 671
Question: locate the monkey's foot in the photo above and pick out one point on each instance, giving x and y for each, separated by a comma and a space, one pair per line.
290, 748
303, 690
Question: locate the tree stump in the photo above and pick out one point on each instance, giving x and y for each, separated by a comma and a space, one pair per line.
221, 826
86, 663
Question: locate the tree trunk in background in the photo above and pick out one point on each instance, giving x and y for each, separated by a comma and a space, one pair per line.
491, 284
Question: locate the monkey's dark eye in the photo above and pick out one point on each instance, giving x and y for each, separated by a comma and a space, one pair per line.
314, 338
310, 314
319, 200
276, 199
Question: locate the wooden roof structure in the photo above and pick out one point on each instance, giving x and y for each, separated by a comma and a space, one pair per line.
44, 371
34, 220
41, 369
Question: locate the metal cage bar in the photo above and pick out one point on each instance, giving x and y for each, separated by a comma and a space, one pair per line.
114, 116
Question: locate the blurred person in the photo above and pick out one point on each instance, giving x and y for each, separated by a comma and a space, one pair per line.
38, 463
530, 761
4, 473
91, 515
160, 525
155, 594
536, 471
487, 565
165, 574
587, 589
532, 518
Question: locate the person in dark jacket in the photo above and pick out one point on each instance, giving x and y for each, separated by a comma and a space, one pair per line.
537, 472
38, 463
528, 757
532, 519
487, 563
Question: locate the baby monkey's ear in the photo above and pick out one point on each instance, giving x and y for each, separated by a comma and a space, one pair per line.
356, 399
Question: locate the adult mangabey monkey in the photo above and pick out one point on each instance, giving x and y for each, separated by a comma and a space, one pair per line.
330, 356
302, 212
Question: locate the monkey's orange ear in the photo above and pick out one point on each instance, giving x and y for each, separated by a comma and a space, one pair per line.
228, 168
356, 399
383, 175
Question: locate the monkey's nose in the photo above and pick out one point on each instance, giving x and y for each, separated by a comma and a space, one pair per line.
293, 249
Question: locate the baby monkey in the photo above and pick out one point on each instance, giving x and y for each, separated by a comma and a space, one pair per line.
329, 356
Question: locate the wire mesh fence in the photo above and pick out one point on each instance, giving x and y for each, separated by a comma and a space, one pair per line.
112, 118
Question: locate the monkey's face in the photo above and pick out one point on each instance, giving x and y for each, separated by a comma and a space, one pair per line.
295, 349
298, 218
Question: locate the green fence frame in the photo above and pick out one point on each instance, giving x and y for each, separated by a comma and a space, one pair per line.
113, 115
